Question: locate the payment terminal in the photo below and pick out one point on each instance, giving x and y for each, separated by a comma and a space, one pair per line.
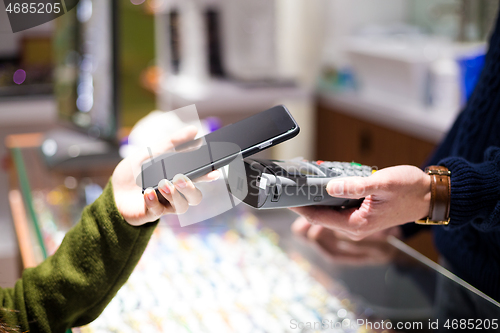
292, 183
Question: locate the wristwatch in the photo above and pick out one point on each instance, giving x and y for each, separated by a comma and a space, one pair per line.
439, 210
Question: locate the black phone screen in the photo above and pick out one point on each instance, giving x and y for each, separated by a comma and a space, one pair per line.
242, 137
255, 129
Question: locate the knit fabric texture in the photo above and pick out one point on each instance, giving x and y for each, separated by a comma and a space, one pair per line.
73, 286
471, 242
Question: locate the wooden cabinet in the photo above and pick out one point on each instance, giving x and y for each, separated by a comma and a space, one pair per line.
341, 137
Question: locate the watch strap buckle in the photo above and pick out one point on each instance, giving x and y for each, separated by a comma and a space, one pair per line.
428, 221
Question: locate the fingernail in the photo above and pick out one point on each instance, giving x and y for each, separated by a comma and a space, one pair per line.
150, 194
214, 175
335, 188
181, 183
164, 186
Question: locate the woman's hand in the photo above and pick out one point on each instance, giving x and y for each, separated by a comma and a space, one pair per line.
137, 208
393, 196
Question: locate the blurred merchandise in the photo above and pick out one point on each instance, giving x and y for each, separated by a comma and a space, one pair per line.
392, 67
159, 126
470, 69
66, 149
35, 60
409, 56
228, 276
174, 45
273, 40
234, 273
211, 123
235, 58
210, 38
86, 88
337, 80
59, 208
345, 18
213, 26
183, 48
258, 41
418, 70
151, 78
251, 39
459, 20
86, 74
445, 84
193, 41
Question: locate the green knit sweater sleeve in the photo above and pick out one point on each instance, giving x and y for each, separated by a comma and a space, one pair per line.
73, 286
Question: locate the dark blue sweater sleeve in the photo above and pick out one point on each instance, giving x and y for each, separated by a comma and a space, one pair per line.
475, 191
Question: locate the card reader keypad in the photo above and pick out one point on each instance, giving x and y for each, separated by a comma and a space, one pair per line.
345, 169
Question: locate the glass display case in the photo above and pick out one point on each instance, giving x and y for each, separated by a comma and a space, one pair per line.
244, 270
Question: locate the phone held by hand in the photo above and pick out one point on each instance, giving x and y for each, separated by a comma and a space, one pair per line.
217, 149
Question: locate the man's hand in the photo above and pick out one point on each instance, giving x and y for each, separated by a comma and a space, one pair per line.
137, 208
372, 250
393, 196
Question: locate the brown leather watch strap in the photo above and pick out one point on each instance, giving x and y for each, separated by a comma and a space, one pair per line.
439, 210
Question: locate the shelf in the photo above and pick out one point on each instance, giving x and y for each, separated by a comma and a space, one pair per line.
220, 97
28, 110
427, 125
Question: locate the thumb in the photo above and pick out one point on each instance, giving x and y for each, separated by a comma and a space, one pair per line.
351, 187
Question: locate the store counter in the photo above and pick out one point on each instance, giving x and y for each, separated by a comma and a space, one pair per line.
242, 271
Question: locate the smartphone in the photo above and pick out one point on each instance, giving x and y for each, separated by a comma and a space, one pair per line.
217, 149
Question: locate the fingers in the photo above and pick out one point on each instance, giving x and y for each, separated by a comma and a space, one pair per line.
189, 146
342, 252
176, 196
186, 134
323, 215
300, 226
154, 208
173, 196
341, 249
209, 177
180, 194
334, 232
348, 221
352, 187
182, 136
188, 190
317, 233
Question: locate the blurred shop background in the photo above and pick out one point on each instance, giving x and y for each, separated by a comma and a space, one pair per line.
378, 82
